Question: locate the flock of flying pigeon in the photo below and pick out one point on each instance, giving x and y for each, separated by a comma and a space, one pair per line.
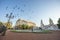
18, 8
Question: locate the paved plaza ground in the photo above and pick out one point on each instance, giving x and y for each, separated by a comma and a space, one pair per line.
55, 35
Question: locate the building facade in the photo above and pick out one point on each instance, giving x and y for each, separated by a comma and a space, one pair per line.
20, 22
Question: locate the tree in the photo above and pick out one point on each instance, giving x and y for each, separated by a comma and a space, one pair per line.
8, 25
23, 26
27, 27
58, 23
1, 23
2, 29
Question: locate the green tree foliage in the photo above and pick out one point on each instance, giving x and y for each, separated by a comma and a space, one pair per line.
1, 23
24, 26
8, 25
58, 23
2, 29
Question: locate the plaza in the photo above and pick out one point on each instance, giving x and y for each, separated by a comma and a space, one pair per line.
55, 35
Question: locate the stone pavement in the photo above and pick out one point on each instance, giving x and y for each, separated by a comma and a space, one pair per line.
55, 35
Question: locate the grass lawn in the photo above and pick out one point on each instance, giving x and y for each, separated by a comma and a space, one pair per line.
30, 31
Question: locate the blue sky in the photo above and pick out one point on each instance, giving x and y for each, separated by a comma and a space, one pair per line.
33, 10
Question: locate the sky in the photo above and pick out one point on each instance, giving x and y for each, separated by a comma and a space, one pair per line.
33, 10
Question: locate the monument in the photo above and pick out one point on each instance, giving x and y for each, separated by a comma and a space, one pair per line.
51, 22
42, 25
51, 25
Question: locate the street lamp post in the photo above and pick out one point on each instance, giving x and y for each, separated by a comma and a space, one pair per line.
9, 16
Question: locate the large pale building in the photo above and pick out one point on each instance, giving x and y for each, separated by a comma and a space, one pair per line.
21, 22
